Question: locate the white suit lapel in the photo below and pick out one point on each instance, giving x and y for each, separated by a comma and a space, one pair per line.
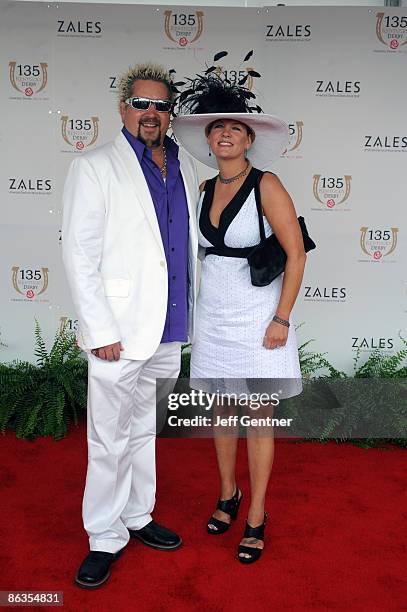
141, 190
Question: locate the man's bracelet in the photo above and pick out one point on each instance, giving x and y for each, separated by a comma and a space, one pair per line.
282, 321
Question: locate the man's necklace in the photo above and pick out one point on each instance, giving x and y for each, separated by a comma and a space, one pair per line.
164, 166
226, 181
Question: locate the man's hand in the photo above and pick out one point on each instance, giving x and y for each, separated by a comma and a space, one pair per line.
110, 352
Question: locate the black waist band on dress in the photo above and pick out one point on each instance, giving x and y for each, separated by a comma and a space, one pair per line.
225, 251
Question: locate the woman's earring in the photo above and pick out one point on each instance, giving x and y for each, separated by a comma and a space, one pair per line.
245, 152
209, 151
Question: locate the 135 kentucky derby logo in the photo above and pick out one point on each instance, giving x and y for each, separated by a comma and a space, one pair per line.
28, 79
67, 325
391, 31
80, 133
244, 76
183, 29
295, 136
378, 243
29, 283
331, 191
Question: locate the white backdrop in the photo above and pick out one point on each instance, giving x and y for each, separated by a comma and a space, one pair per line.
335, 74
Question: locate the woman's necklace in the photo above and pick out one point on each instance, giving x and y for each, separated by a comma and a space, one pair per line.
226, 181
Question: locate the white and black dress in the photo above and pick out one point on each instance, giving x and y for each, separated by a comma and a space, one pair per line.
232, 314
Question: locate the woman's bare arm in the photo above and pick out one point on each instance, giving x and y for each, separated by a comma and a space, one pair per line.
279, 210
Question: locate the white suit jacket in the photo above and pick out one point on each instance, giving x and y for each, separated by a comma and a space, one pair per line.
113, 252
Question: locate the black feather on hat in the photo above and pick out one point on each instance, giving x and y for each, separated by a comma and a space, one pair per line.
213, 92
212, 96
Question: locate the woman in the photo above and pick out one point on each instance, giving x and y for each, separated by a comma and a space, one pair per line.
242, 331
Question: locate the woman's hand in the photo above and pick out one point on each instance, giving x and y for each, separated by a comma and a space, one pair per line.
275, 336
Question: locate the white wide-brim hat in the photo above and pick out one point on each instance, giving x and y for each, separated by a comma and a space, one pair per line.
270, 142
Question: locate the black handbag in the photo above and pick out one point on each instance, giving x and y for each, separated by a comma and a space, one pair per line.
267, 259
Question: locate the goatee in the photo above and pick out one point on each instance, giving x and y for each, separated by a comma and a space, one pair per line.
151, 144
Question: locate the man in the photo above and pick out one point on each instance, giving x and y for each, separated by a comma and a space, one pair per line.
129, 248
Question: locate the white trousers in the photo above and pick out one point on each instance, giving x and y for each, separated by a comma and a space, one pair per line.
120, 481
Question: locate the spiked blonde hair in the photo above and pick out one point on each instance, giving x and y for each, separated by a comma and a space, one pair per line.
144, 72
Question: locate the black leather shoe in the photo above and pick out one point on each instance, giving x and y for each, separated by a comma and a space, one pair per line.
157, 536
95, 568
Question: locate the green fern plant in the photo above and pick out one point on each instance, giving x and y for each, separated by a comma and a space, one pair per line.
312, 362
380, 365
43, 399
379, 402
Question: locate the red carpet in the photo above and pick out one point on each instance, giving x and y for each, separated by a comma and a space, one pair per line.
334, 539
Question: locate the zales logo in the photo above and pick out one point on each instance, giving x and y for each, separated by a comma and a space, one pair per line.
337, 89
391, 30
32, 186
325, 294
331, 191
386, 143
80, 133
28, 79
113, 83
378, 243
372, 343
288, 32
29, 283
183, 28
85, 29
295, 131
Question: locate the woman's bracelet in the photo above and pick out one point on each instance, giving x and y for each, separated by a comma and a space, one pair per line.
282, 321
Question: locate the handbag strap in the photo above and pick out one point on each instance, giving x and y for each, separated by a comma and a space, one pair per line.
259, 206
225, 251
243, 252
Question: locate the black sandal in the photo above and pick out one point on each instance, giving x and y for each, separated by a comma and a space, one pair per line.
252, 532
228, 506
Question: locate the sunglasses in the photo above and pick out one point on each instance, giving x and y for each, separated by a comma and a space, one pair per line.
162, 106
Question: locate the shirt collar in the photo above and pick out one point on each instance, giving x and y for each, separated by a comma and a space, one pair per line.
140, 149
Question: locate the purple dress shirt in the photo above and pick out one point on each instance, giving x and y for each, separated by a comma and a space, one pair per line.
171, 208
